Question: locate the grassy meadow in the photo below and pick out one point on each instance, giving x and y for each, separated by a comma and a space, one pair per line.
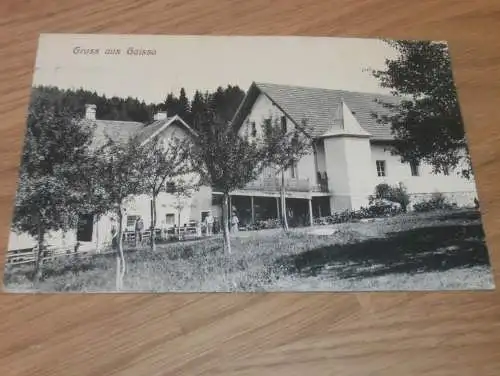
415, 251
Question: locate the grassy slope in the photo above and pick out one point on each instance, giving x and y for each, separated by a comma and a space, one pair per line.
395, 253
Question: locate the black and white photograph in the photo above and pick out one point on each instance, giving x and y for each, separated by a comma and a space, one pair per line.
155, 163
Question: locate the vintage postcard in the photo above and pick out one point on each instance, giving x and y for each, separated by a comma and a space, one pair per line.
243, 164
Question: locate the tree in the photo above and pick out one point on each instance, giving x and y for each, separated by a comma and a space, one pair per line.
121, 170
225, 101
198, 108
182, 191
225, 161
166, 163
426, 122
284, 148
55, 153
128, 109
183, 105
171, 104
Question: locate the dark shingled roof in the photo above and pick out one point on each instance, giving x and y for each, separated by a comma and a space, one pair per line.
319, 107
150, 129
120, 131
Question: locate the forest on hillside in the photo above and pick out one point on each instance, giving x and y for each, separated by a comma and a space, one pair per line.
223, 101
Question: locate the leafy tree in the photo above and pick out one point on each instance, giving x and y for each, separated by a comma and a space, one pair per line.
121, 171
426, 122
182, 190
284, 148
53, 163
225, 161
167, 162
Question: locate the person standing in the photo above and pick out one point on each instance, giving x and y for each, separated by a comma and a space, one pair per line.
164, 229
209, 223
139, 228
234, 223
114, 234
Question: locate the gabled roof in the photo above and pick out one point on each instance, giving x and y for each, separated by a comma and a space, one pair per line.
319, 107
158, 126
123, 131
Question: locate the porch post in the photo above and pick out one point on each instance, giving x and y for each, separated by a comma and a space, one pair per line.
277, 208
230, 207
253, 209
310, 212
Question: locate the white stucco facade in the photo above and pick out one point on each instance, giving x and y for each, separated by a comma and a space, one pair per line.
265, 109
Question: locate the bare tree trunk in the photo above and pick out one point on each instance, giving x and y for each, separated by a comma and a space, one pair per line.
96, 224
118, 269
120, 257
179, 224
225, 222
37, 272
283, 202
153, 223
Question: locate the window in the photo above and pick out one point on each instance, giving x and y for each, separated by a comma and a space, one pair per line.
85, 227
170, 219
204, 214
446, 171
216, 200
170, 187
131, 219
381, 168
283, 124
268, 172
414, 166
254, 129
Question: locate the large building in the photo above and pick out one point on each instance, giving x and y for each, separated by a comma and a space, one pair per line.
352, 152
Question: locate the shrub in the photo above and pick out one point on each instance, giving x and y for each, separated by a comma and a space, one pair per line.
436, 202
382, 208
397, 194
265, 224
379, 208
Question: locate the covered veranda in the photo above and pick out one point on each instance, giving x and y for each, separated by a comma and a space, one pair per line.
254, 206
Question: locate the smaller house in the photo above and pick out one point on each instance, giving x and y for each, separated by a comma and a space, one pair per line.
94, 232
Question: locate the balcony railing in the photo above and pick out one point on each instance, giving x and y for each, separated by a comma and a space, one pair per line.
291, 185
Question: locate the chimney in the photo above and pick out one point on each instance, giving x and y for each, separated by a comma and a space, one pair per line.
160, 116
90, 111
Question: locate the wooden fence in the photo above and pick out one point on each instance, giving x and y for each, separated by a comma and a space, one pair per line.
29, 255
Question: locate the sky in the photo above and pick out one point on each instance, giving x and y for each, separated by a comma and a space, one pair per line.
205, 62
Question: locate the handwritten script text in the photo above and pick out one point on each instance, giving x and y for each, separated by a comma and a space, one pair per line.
132, 51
